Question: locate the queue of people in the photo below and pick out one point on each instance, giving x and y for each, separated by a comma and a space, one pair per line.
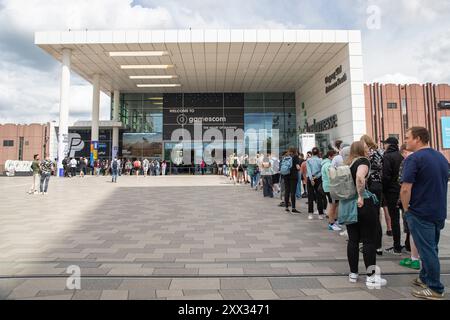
351, 185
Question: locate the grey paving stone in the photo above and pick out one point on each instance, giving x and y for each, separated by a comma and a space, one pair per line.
150, 284
187, 284
114, 295
288, 293
295, 283
263, 295
87, 295
100, 284
142, 294
245, 283
235, 295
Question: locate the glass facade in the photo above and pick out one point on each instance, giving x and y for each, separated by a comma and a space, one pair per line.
149, 119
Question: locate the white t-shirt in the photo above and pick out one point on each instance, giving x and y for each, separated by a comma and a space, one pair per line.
275, 165
73, 163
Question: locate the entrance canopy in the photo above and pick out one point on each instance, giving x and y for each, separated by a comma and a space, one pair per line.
198, 60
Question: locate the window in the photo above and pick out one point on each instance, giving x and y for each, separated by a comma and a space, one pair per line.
21, 142
8, 143
392, 105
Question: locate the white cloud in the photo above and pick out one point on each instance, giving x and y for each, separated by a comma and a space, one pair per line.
411, 46
28, 94
32, 96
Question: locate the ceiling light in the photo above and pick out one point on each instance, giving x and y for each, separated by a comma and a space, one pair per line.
158, 85
153, 77
147, 66
156, 98
138, 53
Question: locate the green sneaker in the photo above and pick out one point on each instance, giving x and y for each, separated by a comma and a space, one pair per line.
409, 263
406, 262
415, 264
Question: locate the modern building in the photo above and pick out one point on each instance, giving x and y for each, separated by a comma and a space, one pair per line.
163, 80
392, 109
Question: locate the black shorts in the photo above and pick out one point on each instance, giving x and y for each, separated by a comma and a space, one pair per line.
276, 178
330, 200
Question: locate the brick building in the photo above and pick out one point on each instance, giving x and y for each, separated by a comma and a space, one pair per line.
391, 109
22, 142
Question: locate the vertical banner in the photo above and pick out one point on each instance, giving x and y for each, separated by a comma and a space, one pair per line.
94, 152
445, 121
115, 152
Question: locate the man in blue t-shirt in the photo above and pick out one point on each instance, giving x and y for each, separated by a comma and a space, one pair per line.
424, 197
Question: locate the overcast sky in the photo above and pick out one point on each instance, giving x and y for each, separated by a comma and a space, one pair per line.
404, 41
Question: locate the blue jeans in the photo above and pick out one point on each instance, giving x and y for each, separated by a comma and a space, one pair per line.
114, 175
45, 178
268, 187
426, 237
257, 178
298, 193
253, 181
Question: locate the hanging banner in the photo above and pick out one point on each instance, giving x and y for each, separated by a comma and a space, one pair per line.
94, 152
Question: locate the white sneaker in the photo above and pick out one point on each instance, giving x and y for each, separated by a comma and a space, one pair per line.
316, 213
344, 233
375, 282
310, 217
321, 216
334, 227
353, 277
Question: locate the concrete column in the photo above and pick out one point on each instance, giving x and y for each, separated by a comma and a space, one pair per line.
63, 134
95, 107
116, 117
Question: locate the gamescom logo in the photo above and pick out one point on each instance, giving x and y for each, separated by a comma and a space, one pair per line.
182, 119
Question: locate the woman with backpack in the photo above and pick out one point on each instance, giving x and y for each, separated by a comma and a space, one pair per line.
374, 182
362, 207
290, 165
326, 163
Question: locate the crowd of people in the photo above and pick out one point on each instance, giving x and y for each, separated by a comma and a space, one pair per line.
105, 167
351, 185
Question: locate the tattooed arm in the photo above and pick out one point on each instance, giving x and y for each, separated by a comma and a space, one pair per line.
361, 174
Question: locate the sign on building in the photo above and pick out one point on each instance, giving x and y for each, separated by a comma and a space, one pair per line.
445, 121
306, 142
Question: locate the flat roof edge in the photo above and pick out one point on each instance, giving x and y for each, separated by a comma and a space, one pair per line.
197, 36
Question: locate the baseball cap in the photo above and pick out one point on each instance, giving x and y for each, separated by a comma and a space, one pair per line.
390, 140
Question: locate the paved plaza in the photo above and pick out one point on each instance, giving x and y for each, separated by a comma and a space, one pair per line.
176, 237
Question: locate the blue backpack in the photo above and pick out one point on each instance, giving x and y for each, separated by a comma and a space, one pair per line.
286, 166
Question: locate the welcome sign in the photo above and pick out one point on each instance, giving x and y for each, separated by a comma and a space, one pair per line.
214, 110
